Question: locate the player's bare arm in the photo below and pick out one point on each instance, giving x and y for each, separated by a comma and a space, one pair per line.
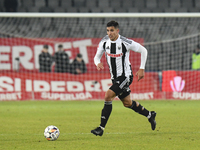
140, 74
100, 66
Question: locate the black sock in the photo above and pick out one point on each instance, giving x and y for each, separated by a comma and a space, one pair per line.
140, 109
105, 113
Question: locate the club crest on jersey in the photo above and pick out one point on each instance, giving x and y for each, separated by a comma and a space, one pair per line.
114, 55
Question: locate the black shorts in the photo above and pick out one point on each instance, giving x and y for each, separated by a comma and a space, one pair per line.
121, 86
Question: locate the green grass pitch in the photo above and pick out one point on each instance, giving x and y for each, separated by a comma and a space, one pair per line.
23, 124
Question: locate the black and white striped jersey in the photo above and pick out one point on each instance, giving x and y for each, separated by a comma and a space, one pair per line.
117, 55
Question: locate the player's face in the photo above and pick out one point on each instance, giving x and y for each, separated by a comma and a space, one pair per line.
113, 33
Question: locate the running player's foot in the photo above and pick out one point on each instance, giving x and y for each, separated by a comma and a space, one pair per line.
97, 131
152, 120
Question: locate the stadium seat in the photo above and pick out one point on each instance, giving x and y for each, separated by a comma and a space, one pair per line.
163, 4
66, 4
72, 9
193, 10
182, 9
175, 4
157, 10
40, 3
53, 3
197, 3
107, 9
170, 10
79, 3
46, 23
187, 4
21, 9
33, 9
133, 9
127, 4
95, 9
45, 9
59, 9
27, 3
139, 4
90, 4
164, 61
103, 3
122, 10
84, 9
116, 4
187, 61
151, 4
146, 10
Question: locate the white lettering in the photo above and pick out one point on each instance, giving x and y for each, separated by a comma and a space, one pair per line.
142, 96
57, 86
28, 85
92, 86
66, 96
10, 96
5, 84
41, 86
74, 86
106, 83
186, 95
17, 84
4, 57
82, 45
25, 59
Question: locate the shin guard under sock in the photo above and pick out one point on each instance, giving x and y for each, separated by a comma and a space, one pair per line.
140, 109
105, 113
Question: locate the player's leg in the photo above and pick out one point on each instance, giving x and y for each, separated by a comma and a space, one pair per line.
107, 109
137, 107
105, 113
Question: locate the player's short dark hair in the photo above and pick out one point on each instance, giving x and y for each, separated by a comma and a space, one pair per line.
198, 46
113, 23
46, 46
60, 46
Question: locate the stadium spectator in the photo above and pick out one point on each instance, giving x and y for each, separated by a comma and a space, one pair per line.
61, 59
78, 65
45, 60
11, 5
196, 58
117, 50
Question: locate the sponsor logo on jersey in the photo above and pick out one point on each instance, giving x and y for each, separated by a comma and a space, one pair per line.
114, 55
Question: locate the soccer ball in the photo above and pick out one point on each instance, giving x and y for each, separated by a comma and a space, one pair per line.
51, 133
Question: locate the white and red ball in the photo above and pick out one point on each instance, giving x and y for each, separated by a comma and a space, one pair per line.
51, 133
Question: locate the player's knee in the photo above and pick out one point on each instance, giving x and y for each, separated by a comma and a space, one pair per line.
127, 104
109, 96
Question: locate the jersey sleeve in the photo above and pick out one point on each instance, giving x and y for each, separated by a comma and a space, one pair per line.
134, 46
99, 53
140, 49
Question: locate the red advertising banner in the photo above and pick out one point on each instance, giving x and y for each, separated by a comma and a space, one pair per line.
64, 86
181, 84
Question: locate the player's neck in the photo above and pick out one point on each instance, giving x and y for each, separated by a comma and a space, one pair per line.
115, 39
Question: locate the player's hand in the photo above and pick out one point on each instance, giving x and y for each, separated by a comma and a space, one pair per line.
100, 66
140, 74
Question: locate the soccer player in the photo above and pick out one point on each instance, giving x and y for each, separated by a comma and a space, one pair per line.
116, 49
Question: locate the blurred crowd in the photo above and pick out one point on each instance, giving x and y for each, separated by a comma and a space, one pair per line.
60, 62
